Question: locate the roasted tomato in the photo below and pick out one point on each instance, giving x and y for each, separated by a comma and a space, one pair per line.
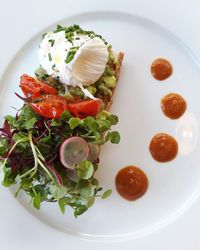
50, 106
33, 88
46, 102
83, 109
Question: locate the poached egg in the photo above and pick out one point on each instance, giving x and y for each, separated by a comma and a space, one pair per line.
86, 65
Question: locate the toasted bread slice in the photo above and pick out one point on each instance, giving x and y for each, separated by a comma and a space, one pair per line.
108, 101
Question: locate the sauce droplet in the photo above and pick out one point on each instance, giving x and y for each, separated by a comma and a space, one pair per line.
173, 105
131, 183
163, 147
161, 69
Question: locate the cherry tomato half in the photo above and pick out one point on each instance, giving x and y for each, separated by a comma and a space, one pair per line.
83, 109
51, 106
33, 88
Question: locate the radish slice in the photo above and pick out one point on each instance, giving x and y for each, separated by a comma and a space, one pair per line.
94, 152
74, 150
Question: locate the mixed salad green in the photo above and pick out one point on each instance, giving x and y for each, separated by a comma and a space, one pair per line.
29, 149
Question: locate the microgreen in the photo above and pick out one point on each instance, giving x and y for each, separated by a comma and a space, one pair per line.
115, 137
61, 203
74, 122
85, 170
37, 201
106, 194
29, 157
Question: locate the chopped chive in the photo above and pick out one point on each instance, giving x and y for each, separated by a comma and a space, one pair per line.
76, 26
75, 48
70, 56
59, 27
70, 39
50, 57
52, 42
53, 66
43, 35
56, 31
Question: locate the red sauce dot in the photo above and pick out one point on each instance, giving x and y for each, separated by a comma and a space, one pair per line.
173, 105
131, 183
161, 69
163, 147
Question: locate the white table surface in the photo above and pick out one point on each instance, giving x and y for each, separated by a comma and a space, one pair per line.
183, 19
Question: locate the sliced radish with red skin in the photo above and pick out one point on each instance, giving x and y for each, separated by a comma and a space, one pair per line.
73, 150
94, 152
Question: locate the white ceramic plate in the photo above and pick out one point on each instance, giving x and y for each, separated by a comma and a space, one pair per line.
173, 186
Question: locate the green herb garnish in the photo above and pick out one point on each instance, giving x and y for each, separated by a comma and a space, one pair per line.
49, 56
70, 31
52, 42
32, 159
